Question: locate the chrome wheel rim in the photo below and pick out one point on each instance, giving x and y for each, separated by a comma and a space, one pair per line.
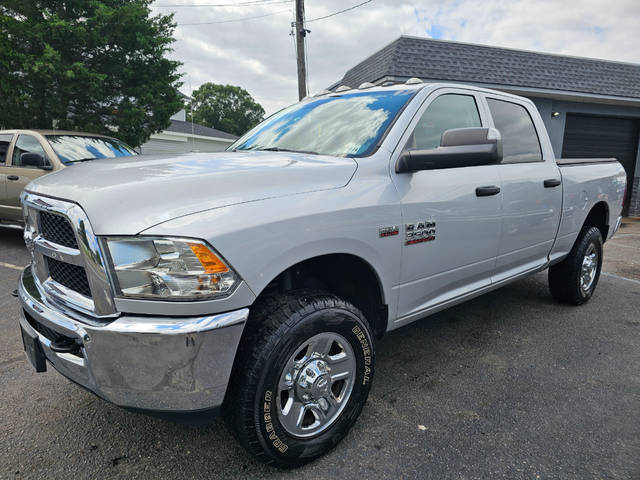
589, 269
315, 384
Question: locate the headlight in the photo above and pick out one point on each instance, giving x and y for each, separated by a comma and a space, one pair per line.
168, 268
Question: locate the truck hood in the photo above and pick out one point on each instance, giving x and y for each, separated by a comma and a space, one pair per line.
125, 196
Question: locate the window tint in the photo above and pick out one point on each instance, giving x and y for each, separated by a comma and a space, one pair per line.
519, 138
24, 144
444, 113
5, 140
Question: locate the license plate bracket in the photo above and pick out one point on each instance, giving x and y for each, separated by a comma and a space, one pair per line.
33, 350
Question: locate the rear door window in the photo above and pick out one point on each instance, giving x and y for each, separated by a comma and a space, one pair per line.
520, 142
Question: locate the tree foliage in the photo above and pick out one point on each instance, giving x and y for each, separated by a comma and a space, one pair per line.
225, 107
91, 65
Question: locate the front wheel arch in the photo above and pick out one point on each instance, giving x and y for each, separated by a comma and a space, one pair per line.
347, 276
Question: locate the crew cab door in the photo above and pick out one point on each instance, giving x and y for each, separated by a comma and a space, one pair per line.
460, 257
531, 188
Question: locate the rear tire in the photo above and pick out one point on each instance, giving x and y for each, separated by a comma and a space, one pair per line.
289, 402
574, 280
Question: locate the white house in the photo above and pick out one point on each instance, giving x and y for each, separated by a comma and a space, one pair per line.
182, 136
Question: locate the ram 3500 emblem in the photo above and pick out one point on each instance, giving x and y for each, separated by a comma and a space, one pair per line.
418, 232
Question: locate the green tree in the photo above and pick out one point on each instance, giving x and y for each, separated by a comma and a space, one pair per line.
92, 65
225, 107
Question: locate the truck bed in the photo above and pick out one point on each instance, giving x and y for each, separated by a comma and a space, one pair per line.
585, 183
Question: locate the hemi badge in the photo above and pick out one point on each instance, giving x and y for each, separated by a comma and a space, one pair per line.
388, 231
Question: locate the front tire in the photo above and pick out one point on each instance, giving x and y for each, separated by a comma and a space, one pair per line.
303, 374
574, 280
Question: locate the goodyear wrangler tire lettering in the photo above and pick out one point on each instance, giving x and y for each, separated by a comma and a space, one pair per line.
279, 328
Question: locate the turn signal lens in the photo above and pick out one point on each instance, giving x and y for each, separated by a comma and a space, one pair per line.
208, 259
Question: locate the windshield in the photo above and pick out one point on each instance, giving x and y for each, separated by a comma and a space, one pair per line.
77, 148
344, 125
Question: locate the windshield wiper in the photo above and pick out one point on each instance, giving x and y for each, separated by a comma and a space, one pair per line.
278, 149
82, 160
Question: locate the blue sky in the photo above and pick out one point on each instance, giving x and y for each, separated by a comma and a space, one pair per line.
259, 54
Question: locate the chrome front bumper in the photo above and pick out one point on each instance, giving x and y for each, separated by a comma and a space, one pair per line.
171, 364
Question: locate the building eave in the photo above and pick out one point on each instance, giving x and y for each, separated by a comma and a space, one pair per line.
183, 137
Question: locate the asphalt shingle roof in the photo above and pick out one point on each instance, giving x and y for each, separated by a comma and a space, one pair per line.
185, 127
430, 59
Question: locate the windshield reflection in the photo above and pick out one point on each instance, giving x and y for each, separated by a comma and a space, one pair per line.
347, 125
76, 148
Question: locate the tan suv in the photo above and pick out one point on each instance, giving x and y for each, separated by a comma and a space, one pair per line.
28, 154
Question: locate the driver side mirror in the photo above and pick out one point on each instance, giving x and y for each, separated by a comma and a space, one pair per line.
459, 147
36, 160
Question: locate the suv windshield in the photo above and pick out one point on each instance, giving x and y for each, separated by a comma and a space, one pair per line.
78, 148
344, 125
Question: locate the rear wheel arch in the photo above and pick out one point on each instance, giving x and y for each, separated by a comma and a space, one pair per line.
599, 217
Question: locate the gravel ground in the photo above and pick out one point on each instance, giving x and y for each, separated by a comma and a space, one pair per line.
509, 385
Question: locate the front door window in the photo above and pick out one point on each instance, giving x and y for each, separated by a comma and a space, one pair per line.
26, 144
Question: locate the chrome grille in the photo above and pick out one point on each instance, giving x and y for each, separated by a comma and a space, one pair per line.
68, 265
57, 229
70, 276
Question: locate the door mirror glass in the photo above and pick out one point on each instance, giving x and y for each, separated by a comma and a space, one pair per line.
459, 147
34, 160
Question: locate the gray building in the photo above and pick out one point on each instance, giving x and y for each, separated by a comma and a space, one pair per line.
591, 107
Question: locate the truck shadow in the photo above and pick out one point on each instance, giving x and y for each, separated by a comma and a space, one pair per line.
429, 351
412, 362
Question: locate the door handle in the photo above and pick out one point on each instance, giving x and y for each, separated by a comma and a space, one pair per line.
552, 182
487, 191
13, 177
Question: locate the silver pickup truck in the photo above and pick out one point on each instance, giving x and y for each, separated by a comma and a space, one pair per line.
259, 279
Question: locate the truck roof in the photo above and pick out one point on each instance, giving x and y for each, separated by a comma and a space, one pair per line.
414, 84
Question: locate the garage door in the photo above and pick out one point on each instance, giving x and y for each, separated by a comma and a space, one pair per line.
593, 137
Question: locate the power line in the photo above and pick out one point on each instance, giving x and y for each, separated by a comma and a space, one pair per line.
338, 12
256, 3
232, 20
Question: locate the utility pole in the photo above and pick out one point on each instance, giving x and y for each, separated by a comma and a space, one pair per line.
301, 33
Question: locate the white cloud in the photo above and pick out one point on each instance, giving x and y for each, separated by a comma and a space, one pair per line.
258, 55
